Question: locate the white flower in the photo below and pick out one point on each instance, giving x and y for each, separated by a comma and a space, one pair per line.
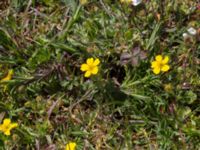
192, 31
136, 2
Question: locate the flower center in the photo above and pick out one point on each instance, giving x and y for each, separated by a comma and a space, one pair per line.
160, 64
6, 127
91, 67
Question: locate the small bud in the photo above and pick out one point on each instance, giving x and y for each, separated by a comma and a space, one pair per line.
186, 86
158, 16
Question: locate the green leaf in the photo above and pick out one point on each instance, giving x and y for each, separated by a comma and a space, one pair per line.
154, 36
40, 56
6, 41
183, 112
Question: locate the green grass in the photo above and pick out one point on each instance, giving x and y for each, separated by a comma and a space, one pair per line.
125, 106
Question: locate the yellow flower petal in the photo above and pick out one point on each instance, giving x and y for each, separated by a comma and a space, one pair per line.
84, 67
7, 132
154, 64
165, 68
95, 70
90, 61
6, 122
165, 60
159, 58
70, 146
156, 70
96, 62
11, 72
87, 74
13, 125
1, 128
125, 1
8, 76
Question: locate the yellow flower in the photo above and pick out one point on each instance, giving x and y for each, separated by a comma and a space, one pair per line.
83, 2
90, 67
70, 146
8, 76
168, 87
125, 1
160, 64
7, 126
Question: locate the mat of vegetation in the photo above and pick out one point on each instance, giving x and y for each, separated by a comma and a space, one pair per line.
99, 74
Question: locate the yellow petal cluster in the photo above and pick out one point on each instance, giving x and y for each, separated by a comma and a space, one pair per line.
90, 67
160, 64
7, 126
71, 146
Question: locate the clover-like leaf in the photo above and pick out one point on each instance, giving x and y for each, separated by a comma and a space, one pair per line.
134, 57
